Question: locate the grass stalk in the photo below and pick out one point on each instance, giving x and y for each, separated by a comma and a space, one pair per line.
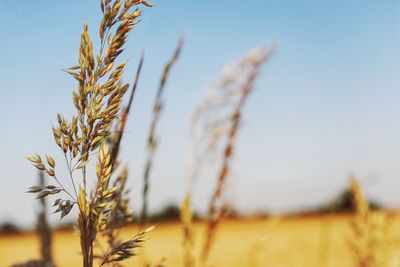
248, 70
97, 99
152, 141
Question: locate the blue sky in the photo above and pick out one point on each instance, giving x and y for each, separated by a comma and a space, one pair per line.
326, 105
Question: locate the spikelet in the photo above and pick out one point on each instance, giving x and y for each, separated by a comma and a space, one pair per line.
98, 102
216, 123
152, 141
186, 216
369, 242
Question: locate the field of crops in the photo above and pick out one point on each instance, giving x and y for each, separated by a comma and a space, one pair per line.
313, 241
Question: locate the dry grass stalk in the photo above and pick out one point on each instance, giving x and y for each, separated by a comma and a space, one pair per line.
43, 227
186, 214
211, 119
98, 102
121, 214
44, 233
369, 242
115, 139
229, 95
123, 250
152, 141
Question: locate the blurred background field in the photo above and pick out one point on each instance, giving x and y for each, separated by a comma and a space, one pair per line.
314, 240
308, 241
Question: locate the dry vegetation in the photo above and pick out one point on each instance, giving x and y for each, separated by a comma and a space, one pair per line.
250, 242
367, 238
97, 100
152, 141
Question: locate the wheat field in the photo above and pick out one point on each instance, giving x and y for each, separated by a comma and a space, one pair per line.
308, 241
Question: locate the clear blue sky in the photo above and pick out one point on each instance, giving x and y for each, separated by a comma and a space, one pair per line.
327, 104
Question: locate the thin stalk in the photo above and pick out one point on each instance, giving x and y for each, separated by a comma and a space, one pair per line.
152, 142
43, 227
116, 145
215, 210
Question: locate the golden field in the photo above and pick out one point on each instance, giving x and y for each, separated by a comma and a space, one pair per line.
307, 241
